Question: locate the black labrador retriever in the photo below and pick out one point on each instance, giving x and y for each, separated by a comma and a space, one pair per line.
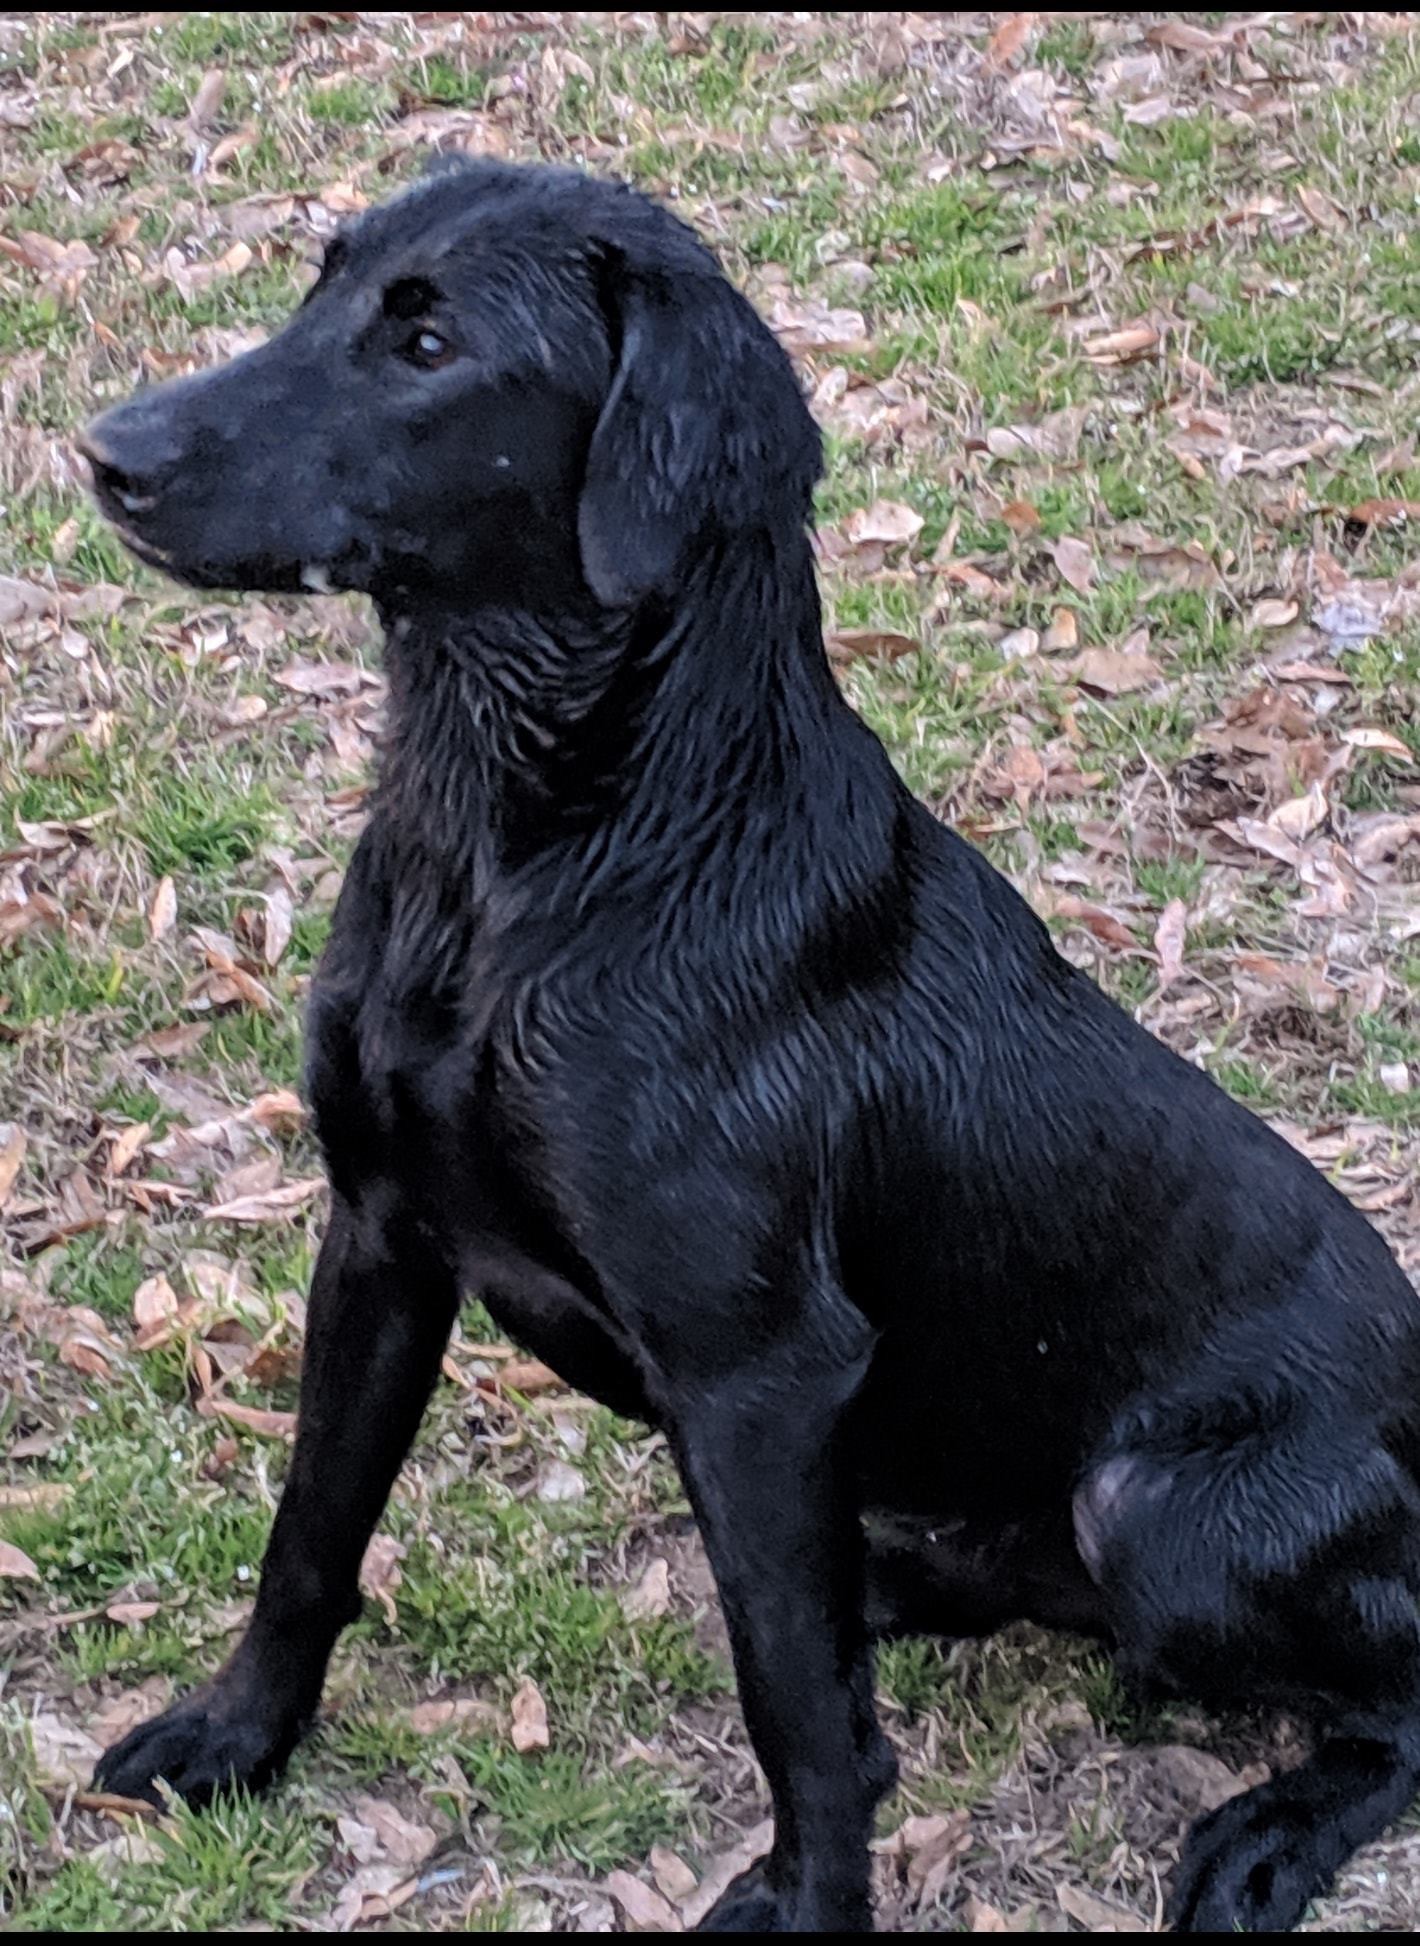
656, 1010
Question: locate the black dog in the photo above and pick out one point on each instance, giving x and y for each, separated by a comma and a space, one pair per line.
657, 1011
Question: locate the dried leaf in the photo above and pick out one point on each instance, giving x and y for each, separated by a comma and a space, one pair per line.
426, 1719
652, 1594
1021, 517
1169, 940
16, 1565
1299, 817
1272, 613
269, 1425
1062, 633
807, 327
1384, 513
126, 1146
155, 1307
721, 1872
557, 1482
1112, 673
1019, 643
322, 678
397, 1838
642, 1907
273, 1207
1122, 347
208, 99
1104, 925
1075, 560
162, 912
530, 1376
172, 1043
851, 644
1095, 1914
277, 922
129, 1614
1186, 37
64, 1754
380, 1573
888, 521
280, 1111
1363, 737
13, 1144
671, 1873
529, 1718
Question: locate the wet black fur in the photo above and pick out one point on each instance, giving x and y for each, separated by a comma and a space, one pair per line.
750, 1097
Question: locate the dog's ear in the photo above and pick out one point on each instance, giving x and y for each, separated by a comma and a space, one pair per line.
704, 434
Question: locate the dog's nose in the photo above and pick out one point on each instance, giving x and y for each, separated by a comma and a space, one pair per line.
128, 464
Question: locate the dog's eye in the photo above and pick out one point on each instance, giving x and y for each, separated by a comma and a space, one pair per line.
427, 349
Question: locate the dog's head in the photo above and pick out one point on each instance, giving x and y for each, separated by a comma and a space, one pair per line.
510, 385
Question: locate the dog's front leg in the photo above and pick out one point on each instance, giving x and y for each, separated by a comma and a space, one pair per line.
764, 1464
381, 1308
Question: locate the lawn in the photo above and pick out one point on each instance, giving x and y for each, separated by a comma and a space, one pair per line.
1113, 322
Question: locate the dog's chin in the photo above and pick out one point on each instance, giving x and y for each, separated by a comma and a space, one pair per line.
257, 577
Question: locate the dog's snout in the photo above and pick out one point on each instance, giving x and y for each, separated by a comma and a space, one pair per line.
131, 460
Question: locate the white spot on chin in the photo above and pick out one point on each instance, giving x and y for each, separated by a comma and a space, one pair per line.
317, 580
502, 460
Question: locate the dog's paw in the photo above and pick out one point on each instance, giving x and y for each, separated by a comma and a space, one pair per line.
752, 1903
198, 1747
1245, 1868
748, 1904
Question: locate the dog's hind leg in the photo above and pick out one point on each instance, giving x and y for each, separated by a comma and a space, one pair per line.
381, 1309
1255, 1863
1285, 1568
762, 1458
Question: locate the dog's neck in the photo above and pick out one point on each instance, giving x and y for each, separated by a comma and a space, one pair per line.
604, 747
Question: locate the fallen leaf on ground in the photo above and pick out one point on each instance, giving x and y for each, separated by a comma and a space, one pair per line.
1169, 940
270, 1425
652, 1594
1104, 925
380, 1573
155, 1307
273, 1207
126, 1146
1021, 517
721, 1872
13, 1144
850, 644
1063, 632
1121, 347
1362, 737
889, 521
1076, 561
64, 1753
1299, 817
162, 910
128, 1614
558, 1482
1095, 1914
15, 1564
1112, 673
390, 1835
530, 1377
642, 1907
671, 1873
323, 678
136, 1845
426, 1719
529, 1719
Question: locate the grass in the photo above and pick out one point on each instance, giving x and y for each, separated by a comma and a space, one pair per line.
993, 217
